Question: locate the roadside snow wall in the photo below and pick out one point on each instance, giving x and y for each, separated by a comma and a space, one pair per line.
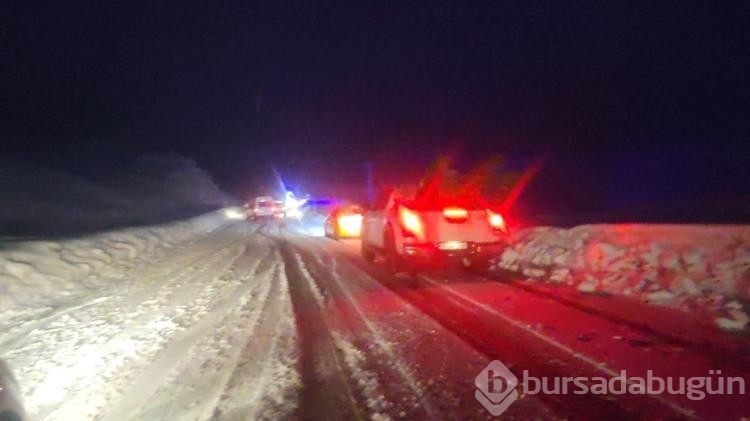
40, 276
680, 266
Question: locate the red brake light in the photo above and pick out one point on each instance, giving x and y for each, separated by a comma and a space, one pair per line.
455, 213
411, 222
497, 221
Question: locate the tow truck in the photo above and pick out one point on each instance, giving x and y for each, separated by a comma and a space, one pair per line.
415, 233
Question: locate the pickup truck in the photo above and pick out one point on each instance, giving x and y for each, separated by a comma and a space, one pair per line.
414, 234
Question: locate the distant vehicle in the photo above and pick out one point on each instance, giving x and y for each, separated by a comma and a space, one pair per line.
344, 222
263, 208
412, 234
279, 210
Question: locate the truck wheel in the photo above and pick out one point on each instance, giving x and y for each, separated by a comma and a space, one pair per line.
394, 262
367, 252
480, 265
389, 250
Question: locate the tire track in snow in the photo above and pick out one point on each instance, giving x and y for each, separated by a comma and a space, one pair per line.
365, 380
182, 294
195, 260
326, 391
178, 366
372, 393
9, 340
453, 316
265, 382
380, 321
123, 334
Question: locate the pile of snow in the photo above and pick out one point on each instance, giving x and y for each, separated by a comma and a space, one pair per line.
682, 266
36, 277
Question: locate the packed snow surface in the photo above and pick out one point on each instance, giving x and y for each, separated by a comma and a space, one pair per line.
200, 319
148, 321
215, 317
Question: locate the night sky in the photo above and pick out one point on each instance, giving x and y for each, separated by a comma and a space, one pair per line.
313, 86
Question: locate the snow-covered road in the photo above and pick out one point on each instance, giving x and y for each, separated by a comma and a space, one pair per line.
163, 337
238, 321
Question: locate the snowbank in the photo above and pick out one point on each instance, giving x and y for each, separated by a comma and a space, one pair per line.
682, 266
36, 277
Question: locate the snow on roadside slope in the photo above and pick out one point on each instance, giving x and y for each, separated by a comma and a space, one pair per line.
676, 265
40, 277
174, 332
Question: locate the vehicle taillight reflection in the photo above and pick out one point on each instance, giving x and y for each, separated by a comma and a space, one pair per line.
411, 222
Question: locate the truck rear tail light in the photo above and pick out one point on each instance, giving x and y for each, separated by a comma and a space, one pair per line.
411, 223
455, 214
350, 225
497, 222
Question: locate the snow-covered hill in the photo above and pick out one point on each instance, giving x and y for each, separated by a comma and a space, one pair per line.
39, 202
166, 182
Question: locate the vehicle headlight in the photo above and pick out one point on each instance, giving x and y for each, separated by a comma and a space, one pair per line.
235, 213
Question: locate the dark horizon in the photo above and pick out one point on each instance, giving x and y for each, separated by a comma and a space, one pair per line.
241, 87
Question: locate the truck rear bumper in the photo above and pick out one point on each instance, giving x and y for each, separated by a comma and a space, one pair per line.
432, 253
